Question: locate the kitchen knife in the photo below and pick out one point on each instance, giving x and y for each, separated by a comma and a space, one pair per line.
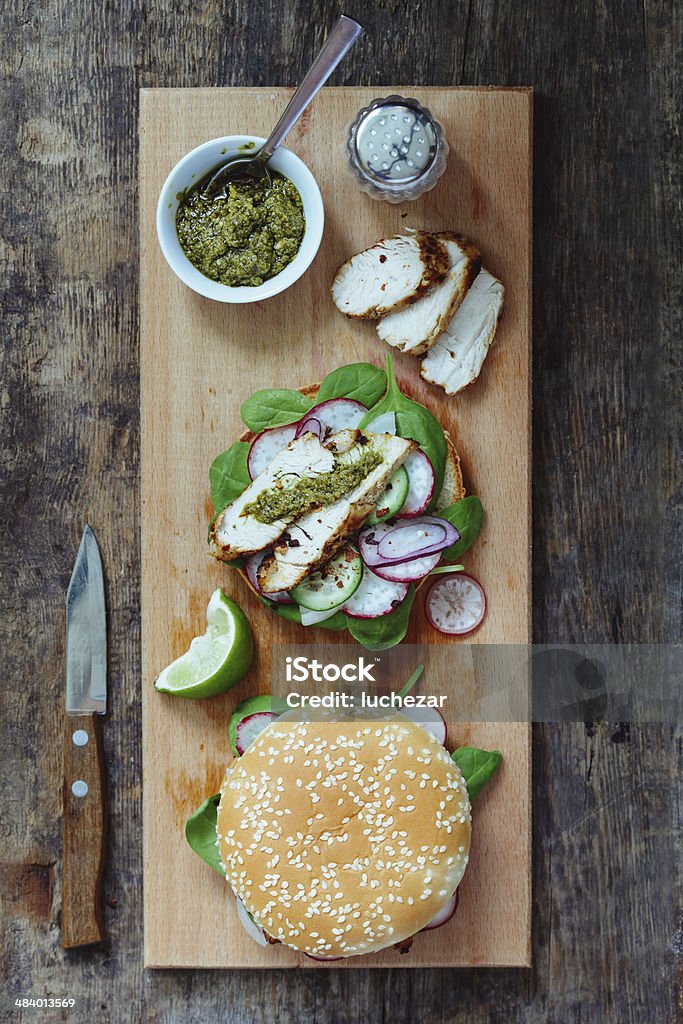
86, 700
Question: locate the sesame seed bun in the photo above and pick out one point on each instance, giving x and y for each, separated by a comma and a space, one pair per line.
343, 838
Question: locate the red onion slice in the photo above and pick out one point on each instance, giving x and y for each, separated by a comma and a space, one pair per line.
405, 541
408, 572
310, 425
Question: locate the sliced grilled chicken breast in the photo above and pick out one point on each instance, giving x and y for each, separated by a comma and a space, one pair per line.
416, 328
389, 275
343, 441
457, 358
235, 533
313, 539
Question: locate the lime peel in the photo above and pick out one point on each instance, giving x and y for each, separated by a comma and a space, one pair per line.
216, 660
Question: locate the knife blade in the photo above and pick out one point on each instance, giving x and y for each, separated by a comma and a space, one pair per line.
86, 700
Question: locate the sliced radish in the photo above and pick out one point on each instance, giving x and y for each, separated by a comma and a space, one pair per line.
266, 446
404, 541
309, 617
368, 542
338, 414
408, 572
421, 485
456, 604
250, 927
445, 914
264, 703
383, 424
251, 567
309, 425
430, 719
374, 597
250, 727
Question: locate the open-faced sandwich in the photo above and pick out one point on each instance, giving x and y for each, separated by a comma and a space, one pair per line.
430, 297
340, 838
339, 500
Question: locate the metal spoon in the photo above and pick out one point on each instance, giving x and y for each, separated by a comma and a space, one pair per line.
254, 168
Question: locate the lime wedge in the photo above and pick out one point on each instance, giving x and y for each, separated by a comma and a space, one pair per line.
215, 661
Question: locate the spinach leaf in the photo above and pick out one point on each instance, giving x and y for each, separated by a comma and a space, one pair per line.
477, 767
467, 516
200, 832
274, 407
229, 475
415, 422
285, 611
292, 613
386, 630
362, 382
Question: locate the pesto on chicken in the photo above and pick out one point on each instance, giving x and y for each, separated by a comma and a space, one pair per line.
291, 500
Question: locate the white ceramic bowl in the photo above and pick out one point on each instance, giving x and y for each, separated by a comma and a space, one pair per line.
192, 169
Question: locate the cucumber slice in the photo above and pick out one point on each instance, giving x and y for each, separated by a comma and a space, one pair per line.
263, 704
392, 498
333, 584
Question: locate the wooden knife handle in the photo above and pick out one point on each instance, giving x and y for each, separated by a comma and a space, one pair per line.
83, 832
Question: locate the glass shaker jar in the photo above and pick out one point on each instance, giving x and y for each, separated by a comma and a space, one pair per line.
396, 149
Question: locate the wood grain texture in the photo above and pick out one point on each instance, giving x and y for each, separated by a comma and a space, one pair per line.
608, 254
199, 361
83, 835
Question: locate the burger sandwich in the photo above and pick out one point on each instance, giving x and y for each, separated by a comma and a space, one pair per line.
340, 838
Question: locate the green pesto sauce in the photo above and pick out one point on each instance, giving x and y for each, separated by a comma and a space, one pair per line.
312, 492
245, 238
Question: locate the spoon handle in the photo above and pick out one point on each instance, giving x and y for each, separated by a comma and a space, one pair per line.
338, 43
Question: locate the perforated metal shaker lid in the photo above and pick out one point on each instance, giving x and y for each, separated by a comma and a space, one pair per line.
395, 145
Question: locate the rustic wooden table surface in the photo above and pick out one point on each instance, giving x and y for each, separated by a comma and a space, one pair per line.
607, 312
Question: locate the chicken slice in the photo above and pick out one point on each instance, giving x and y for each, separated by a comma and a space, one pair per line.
234, 533
416, 328
389, 275
314, 538
457, 358
343, 441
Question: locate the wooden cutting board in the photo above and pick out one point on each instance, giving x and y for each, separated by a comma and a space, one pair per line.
199, 361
